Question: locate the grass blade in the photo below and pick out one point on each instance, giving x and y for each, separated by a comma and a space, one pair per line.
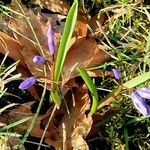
126, 139
137, 119
137, 80
16, 123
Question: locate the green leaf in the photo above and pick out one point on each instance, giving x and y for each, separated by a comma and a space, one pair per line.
137, 80
66, 37
92, 88
136, 119
56, 98
126, 139
16, 123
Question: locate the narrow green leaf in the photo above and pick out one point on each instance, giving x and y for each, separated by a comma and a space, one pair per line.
126, 139
56, 98
9, 70
148, 43
16, 123
137, 119
137, 80
92, 88
66, 37
9, 134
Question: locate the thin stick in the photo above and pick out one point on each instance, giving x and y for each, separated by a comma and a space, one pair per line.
49, 120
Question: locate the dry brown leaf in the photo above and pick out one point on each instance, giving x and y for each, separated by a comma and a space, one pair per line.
97, 73
22, 112
93, 22
80, 132
12, 46
30, 48
56, 20
81, 25
9, 44
139, 1
12, 142
26, 36
83, 53
67, 128
59, 6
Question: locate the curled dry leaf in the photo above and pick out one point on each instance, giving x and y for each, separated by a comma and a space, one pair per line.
83, 53
59, 6
67, 128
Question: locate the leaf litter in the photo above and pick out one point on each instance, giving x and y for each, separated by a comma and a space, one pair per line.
70, 124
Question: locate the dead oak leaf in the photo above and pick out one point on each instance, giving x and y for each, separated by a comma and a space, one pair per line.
28, 41
22, 112
56, 20
80, 132
24, 34
12, 47
67, 128
84, 53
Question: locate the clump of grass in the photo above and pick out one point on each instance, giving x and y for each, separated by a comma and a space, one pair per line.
127, 30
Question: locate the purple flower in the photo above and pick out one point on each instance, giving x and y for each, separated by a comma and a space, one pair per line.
117, 74
27, 83
39, 59
140, 104
51, 44
144, 92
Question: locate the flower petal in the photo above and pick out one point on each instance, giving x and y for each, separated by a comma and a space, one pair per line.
117, 74
27, 83
140, 104
144, 92
39, 59
51, 44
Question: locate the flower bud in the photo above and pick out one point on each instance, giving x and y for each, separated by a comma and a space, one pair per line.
27, 83
51, 44
39, 59
117, 74
140, 104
